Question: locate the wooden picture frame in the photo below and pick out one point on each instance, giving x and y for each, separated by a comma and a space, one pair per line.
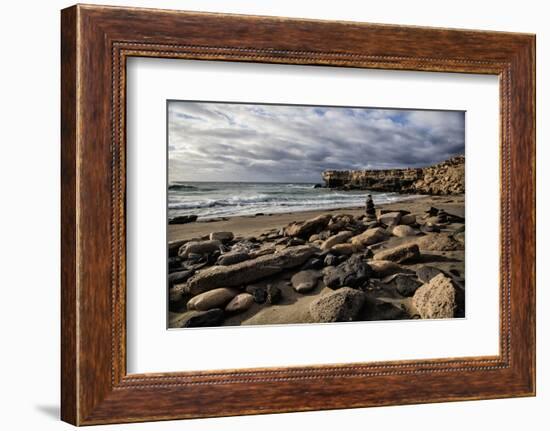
95, 43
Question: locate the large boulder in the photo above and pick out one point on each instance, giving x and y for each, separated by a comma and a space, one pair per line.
216, 298
196, 319
199, 247
399, 254
369, 237
304, 281
342, 305
309, 227
249, 270
339, 238
436, 299
354, 272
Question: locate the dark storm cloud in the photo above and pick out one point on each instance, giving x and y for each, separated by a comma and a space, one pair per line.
239, 142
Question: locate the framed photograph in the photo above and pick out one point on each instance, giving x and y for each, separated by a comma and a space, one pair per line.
264, 215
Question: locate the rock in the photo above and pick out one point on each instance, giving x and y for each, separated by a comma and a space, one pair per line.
406, 285
345, 249
177, 293
304, 281
262, 252
429, 227
295, 241
438, 242
436, 299
425, 273
352, 273
183, 219
399, 254
460, 237
390, 219
241, 302
336, 239
309, 227
314, 263
330, 260
443, 178
232, 257
259, 293
179, 277
314, 237
174, 246
403, 231
370, 210
199, 247
195, 319
174, 264
384, 268
342, 305
369, 237
250, 270
216, 298
274, 294
408, 219
222, 236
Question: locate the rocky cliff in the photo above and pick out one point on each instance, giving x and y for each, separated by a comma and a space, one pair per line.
445, 178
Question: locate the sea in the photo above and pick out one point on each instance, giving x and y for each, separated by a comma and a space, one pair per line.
210, 200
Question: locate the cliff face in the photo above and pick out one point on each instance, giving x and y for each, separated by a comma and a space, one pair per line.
445, 178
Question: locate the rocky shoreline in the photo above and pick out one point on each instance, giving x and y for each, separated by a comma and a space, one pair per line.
445, 178
406, 262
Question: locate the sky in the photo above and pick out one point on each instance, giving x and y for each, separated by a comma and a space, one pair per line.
290, 143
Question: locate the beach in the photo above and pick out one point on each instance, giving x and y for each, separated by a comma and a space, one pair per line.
284, 276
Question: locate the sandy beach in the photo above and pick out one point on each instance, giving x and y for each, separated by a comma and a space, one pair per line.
391, 293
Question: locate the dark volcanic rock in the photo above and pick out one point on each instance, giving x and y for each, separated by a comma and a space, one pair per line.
330, 260
352, 273
196, 319
174, 264
343, 305
258, 292
183, 219
406, 285
274, 294
425, 273
314, 263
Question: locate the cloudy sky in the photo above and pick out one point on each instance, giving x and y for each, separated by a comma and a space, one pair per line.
244, 142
